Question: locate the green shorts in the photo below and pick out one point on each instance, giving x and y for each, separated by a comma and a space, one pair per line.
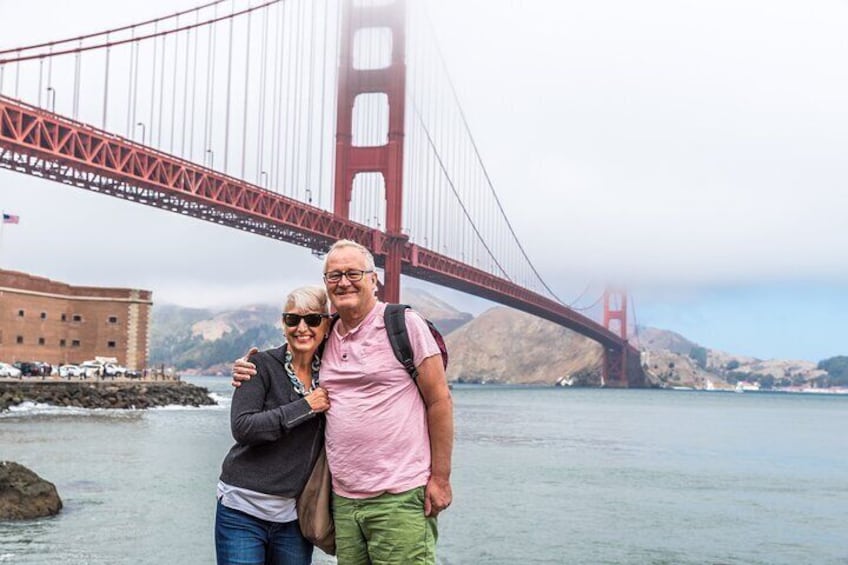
385, 530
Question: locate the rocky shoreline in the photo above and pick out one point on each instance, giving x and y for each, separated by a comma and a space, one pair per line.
117, 395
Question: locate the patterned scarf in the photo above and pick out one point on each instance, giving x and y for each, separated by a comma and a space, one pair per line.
298, 386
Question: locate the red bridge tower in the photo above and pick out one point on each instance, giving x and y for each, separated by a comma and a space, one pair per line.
386, 159
615, 360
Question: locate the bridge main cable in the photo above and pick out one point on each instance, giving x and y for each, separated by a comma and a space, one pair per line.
110, 31
136, 39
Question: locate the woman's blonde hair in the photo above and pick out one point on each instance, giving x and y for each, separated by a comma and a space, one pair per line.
307, 299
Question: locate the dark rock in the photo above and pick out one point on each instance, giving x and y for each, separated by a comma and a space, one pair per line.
24, 495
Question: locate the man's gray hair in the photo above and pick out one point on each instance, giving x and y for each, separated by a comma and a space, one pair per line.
307, 299
342, 243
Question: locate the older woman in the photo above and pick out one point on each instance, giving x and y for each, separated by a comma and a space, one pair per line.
277, 422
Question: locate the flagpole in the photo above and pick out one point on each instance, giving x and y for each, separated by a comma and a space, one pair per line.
6, 219
2, 227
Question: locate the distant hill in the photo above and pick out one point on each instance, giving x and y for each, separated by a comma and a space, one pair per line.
443, 315
506, 346
206, 341
203, 340
501, 345
655, 339
672, 360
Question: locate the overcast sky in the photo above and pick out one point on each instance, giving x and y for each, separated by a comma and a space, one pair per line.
695, 151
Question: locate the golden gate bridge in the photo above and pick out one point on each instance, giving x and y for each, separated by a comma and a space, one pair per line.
302, 121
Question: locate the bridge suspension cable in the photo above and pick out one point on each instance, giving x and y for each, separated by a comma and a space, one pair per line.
459, 199
445, 155
488, 178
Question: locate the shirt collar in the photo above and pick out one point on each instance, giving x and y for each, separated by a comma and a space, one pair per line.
365, 321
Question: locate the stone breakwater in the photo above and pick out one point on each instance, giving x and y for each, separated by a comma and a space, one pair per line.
103, 394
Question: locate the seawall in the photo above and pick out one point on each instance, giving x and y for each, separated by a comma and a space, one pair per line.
103, 394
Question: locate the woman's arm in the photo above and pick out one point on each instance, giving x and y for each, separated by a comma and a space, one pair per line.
252, 424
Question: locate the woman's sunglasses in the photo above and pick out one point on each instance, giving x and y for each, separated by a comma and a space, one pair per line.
312, 320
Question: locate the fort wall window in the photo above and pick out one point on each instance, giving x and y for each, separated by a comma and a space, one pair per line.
75, 343
20, 313
111, 345
20, 339
41, 341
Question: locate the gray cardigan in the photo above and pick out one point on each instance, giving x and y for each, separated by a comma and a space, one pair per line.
277, 435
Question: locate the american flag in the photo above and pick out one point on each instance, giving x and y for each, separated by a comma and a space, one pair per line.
10, 218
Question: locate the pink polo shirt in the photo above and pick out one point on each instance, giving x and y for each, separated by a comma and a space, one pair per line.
377, 437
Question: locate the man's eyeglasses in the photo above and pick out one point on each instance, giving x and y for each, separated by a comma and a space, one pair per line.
353, 275
312, 320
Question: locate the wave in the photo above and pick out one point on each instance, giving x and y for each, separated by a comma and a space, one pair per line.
222, 400
176, 407
29, 408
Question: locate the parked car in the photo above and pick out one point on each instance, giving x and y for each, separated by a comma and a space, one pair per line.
7, 370
71, 371
115, 370
91, 369
29, 368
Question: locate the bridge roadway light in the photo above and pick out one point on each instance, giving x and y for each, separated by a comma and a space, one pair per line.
143, 131
264, 182
211, 158
53, 90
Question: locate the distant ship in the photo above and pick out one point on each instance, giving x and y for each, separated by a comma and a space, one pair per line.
745, 386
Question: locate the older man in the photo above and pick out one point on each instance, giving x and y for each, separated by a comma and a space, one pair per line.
389, 438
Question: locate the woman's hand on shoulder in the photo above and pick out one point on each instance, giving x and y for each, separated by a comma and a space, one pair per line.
244, 369
318, 400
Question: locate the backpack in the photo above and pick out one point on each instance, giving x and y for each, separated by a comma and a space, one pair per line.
395, 319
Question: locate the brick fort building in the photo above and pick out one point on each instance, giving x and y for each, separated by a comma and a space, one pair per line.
45, 320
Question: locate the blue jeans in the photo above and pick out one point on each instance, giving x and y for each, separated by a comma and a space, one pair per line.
241, 539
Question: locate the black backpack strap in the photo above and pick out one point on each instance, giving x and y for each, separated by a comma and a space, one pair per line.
333, 319
395, 318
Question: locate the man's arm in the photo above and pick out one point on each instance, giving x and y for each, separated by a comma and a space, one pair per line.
437, 398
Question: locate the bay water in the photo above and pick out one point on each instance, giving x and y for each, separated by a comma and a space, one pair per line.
541, 475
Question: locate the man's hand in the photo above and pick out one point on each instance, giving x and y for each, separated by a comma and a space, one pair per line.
318, 400
437, 496
244, 369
